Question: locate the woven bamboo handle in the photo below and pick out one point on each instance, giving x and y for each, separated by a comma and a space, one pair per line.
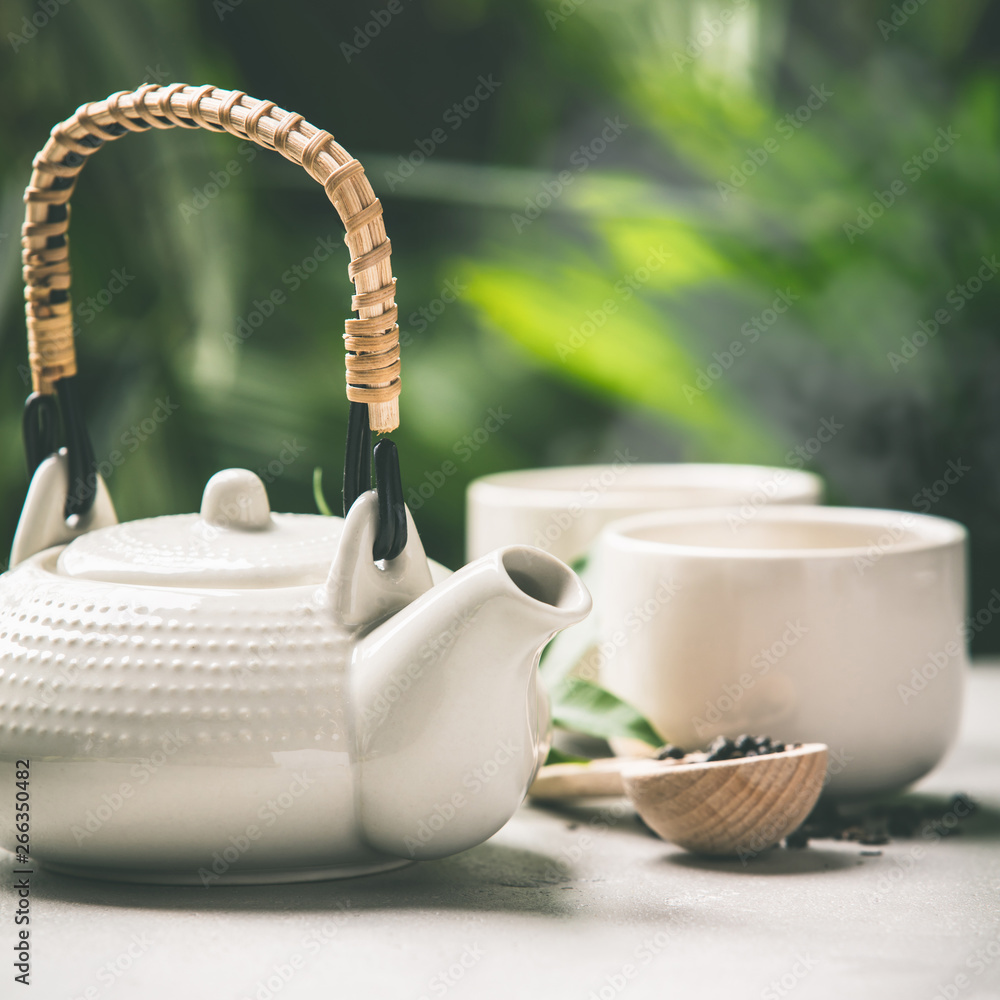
372, 340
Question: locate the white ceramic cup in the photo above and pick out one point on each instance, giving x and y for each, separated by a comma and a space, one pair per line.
563, 509
809, 624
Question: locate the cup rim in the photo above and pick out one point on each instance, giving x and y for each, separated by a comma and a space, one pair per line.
521, 488
933, 532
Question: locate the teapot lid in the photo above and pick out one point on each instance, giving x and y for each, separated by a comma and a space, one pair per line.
234, 543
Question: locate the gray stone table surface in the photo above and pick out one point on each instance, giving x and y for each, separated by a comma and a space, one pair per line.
578, 902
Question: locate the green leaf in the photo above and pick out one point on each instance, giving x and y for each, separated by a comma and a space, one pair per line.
558, 757
583, 707
543, 307
321, 505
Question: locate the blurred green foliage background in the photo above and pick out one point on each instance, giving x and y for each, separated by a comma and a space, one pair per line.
590, 203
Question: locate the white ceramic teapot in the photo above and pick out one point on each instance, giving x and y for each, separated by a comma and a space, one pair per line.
240, 695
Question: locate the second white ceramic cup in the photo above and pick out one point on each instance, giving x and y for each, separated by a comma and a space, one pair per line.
563, 509
808, 624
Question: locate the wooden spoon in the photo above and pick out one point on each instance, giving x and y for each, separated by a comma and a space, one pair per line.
567, 781
724, 807
727, 807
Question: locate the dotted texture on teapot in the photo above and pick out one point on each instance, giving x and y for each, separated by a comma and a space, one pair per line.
92, 669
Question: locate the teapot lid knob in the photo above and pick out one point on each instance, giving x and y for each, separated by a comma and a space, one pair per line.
236, 498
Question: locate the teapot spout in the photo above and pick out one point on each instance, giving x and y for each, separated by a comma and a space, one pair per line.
447, 707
